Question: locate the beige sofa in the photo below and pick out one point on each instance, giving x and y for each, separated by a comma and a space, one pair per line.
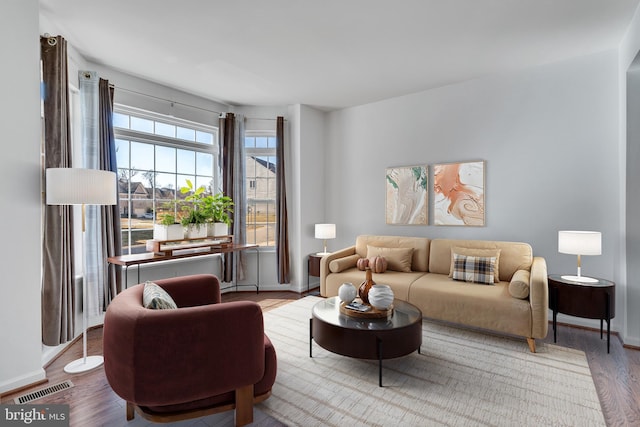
517, 304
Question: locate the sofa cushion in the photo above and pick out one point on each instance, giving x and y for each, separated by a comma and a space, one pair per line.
341, 264
519, 285
474, 269
154, 297
481, 253
398, 259
420, 245
514, 256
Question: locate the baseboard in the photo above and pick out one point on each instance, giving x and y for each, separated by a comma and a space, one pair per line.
31, 379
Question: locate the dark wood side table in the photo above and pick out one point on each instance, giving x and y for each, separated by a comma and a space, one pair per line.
313, 267
583, 299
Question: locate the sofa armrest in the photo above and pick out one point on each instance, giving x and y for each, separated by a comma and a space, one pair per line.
324, 264
539, 298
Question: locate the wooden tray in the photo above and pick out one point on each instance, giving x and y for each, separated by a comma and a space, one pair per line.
374, 313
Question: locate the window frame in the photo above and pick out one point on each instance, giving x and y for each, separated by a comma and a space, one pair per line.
158, 140
259, 152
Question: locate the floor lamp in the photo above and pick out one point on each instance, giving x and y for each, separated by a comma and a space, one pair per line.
74, 186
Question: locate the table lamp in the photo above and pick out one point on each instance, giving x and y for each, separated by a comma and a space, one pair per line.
324, 232
580, 243
75, 186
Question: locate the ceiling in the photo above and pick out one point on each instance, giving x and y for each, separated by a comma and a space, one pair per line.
330, 53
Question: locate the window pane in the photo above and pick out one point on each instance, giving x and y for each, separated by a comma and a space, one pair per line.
186, 162
120, 120
262, 142
142, 125
206, 182
122, 153
165, 159
204, 137
165, 129
204, 164
182, 182
272, 142
141, 156
165, 185
249, 142
186, 134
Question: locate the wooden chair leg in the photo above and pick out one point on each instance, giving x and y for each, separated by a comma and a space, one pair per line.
131, 413
532, 344
244, 405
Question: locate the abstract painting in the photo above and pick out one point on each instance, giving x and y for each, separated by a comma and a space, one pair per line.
407, 195
458, 193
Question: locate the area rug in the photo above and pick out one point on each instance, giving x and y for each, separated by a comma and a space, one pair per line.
461, 378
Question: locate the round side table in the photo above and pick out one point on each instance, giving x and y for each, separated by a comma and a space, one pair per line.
595, 300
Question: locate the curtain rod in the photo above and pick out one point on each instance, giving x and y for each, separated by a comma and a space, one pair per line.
183, 104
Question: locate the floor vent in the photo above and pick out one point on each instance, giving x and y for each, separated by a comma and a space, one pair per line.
47, 391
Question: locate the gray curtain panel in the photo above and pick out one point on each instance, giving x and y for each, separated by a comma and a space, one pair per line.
282, 230
58, 271
239, 195
112, 237
227, 137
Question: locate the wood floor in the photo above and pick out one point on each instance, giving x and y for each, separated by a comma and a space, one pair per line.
93, 403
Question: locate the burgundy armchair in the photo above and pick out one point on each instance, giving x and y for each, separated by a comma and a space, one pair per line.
202, 358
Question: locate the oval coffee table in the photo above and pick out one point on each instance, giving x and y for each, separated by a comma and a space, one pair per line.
386, 338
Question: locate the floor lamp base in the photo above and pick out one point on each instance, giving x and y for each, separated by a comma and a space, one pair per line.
84, 364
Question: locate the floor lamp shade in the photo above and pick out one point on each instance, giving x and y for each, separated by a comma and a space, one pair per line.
580, 243
324, 232
75, 186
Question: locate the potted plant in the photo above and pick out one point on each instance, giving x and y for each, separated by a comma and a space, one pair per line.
218, 209
195, 215
168, 228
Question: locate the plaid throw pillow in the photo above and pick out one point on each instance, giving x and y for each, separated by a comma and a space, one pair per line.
474, 269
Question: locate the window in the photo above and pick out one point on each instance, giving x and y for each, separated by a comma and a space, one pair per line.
260, 152
156, 156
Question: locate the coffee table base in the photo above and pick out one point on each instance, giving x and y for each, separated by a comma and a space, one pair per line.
366, 344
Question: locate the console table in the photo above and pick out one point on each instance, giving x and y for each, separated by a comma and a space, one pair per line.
582, 299
126, 261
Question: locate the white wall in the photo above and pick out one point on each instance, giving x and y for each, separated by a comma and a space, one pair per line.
20, 333
630, 142
307, 173
549, 138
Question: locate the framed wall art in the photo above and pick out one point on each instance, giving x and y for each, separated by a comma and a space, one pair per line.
407, 195
458, 190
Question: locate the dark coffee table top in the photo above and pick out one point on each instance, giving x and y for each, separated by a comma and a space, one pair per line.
404, 314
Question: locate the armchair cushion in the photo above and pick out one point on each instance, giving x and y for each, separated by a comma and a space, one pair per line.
155, 297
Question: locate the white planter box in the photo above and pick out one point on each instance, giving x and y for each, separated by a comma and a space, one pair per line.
217, 229
196, 231
168, 232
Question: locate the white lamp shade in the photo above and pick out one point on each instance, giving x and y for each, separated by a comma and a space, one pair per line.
75, 186
580, 242
325, 231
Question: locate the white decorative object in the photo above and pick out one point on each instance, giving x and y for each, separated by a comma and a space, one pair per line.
168, 232
347, 292
381, 296
196, 231
580, 243
215, 229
